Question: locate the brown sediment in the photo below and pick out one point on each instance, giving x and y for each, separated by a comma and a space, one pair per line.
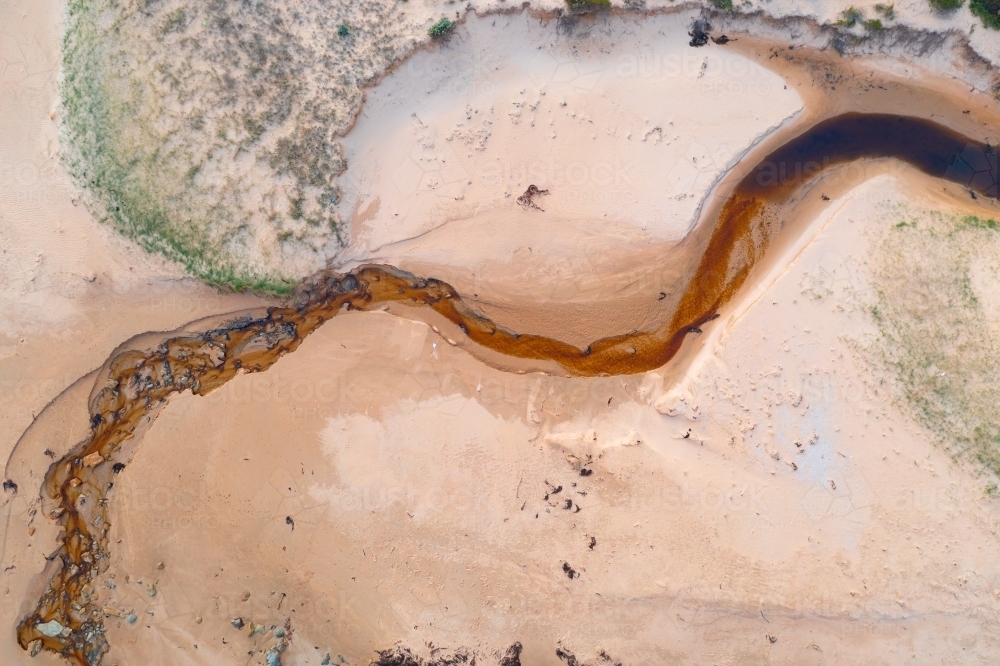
137, 383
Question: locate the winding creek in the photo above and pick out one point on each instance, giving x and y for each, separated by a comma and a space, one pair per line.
136, 383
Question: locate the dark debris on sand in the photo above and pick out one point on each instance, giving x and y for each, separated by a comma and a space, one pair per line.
699, 33
570, 659
401, 656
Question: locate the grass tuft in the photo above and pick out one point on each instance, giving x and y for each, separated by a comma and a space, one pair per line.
587, 5
850, 17
977, 222
175, 21
888, 12
443, 27
946, 5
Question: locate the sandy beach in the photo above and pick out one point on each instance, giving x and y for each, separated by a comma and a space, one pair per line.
777, 493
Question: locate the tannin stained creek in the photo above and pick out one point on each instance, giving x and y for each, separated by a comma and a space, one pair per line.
136, 383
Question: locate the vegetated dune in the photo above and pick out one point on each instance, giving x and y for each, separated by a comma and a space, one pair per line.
209, 132
206, 131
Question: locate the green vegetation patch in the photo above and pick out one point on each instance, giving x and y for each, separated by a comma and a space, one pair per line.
933, 277
888, 12
977, 222
946, 5
723, 5
988, 11
443, 27
587, 5
850, 17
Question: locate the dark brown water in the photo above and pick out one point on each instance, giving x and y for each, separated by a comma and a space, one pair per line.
935, 150
137, 383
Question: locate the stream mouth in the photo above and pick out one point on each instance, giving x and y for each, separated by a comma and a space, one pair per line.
66, 620
933, 149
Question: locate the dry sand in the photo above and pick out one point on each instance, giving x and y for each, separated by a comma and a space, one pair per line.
773, 490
